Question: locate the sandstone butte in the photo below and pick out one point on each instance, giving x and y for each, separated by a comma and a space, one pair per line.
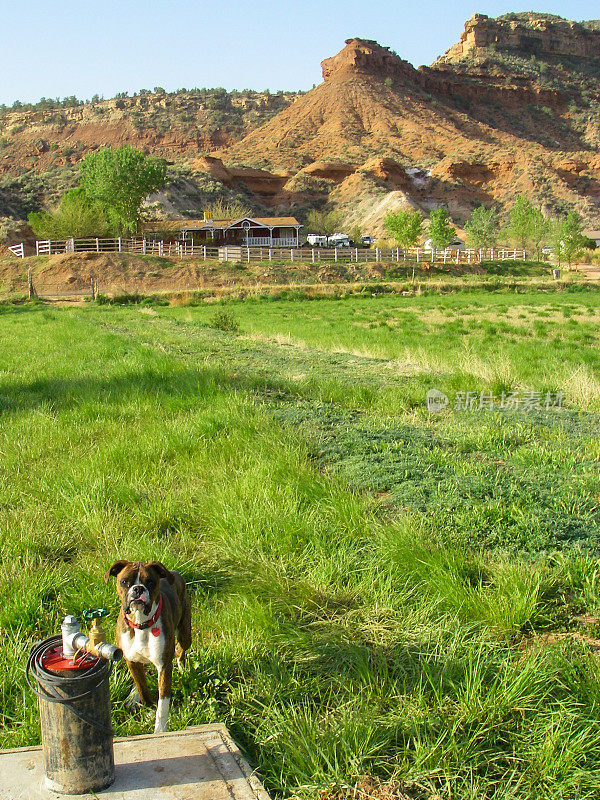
514, 106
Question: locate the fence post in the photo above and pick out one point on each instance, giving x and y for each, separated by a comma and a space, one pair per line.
144, 245
291, 254
313, 254
417, 255
458, 255
336, 253
30, 287
432, 254
120, 245
37, 247
204, 248
356, 255
515, 255
248, 254
97, 245
445, 254
270, 254
226, 259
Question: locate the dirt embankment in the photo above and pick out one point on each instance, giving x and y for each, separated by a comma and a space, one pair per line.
115, 273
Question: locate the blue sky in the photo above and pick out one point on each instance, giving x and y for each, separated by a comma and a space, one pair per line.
61, 48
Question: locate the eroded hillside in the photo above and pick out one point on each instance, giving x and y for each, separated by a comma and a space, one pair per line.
513, 107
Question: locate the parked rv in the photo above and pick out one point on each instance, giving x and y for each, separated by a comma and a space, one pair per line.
316, 240
338, 240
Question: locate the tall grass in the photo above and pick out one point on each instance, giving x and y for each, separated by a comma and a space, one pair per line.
343, 625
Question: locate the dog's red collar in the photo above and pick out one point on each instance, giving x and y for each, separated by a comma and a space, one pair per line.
148, 623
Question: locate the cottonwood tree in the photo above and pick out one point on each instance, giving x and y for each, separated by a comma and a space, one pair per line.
405, 227
482, 228
233, 210
567, 237
441, 231
323, 222
527, 227
120, 179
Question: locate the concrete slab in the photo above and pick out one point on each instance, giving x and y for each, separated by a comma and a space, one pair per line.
201, 763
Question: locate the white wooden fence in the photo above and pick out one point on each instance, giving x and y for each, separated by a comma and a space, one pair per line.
239, 253
18, 250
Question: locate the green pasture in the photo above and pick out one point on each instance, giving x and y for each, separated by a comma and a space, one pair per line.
377, 590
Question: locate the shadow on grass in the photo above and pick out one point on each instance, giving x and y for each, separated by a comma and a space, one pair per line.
65, 393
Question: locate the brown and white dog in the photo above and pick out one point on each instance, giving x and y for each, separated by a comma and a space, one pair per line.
154, 625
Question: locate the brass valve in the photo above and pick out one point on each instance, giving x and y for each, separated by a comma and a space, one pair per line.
96, 633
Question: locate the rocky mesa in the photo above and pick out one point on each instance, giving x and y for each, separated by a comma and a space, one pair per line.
514, 106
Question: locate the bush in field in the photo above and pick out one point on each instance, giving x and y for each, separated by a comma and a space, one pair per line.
441, 231
76, 215
482, 228
405, 227
224, 320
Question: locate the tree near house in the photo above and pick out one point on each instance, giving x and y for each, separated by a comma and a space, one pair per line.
323, 222
76, 215
482, 228
566, 237
405, 227
527, 227
441, 231
119, 179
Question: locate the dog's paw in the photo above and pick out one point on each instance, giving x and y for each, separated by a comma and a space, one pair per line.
162, 715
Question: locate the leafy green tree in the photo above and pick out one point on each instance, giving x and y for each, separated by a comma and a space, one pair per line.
76, 215
405, 227
120, 179
234, 210
323, 222
527, 227
482, 228
441, 231
567, 237
356, 235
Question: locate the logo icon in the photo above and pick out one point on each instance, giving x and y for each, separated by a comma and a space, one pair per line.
436, 401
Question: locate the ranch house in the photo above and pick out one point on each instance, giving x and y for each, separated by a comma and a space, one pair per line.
246, 231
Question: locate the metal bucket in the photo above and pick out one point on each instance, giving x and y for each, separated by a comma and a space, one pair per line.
74, 702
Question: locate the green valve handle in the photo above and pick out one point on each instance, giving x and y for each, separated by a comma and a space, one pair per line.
95, 613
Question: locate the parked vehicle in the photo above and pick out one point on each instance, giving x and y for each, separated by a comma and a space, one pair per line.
367, 241
338, 240
316, 240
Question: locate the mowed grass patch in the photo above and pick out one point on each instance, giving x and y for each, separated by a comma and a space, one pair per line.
470, 341
334, 640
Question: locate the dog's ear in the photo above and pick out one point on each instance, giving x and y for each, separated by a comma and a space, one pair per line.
157, 566
115, 569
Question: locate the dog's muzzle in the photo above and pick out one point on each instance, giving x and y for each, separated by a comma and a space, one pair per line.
138, 595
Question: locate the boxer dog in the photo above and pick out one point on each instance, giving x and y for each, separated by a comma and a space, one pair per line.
154, 625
